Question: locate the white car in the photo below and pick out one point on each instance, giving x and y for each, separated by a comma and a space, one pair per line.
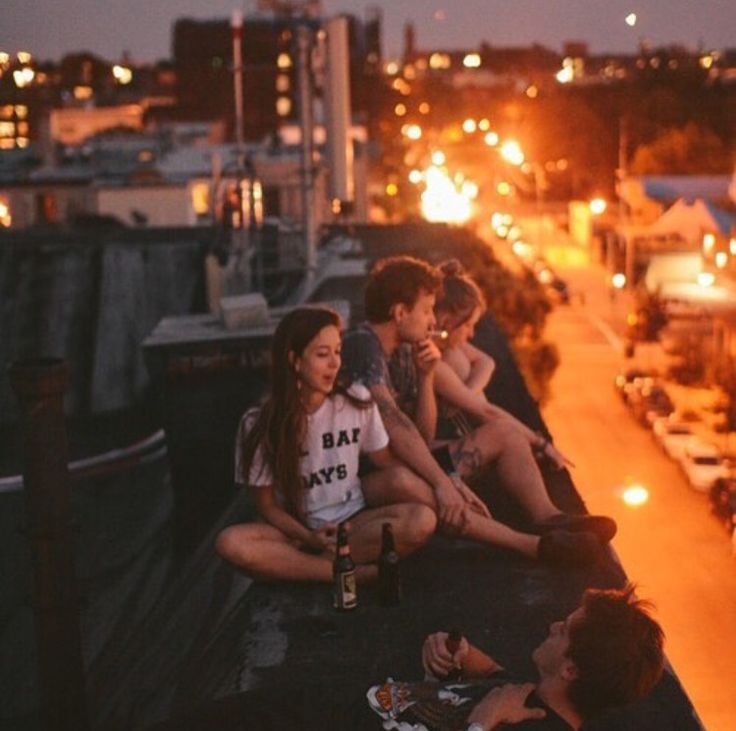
702, 464
672, 435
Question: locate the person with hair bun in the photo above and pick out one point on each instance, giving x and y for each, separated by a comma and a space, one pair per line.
299, 454
395, 356
464, 371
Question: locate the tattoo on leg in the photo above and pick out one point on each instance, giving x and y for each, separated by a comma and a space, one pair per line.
468, 459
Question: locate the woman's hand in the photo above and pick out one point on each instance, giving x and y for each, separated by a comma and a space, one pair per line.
324, 539
436, 658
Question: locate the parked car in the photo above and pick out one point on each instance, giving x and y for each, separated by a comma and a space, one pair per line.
672, 435
654, 402
633, 390
622, 379
723, 498
703, 464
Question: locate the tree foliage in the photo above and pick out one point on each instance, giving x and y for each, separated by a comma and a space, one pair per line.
687, 150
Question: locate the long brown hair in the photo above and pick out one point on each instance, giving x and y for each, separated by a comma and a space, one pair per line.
281, 423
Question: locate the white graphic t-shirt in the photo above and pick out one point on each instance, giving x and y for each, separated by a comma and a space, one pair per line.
336, 435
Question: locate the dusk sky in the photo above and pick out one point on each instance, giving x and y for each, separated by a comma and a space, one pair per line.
50, 28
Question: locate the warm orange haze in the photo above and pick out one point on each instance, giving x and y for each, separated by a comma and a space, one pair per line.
318, 313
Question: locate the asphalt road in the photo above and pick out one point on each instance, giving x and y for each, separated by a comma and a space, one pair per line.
671, 546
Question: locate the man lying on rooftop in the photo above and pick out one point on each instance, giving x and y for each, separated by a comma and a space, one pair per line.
399, 299
607, 653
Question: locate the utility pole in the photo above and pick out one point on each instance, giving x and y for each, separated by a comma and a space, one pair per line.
236, 23
306, 122
241, 245
630, 253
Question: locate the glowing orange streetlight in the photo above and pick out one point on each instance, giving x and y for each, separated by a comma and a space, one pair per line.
511, 152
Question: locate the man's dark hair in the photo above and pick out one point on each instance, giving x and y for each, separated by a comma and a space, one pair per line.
398, 279
618, 650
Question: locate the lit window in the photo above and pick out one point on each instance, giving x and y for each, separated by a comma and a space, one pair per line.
22, 141
283, 61
5, 218
21, 110
23, 129
471, 61
7, 129
283, 83
23, 77
440, 61
201, 198
82, 93
7, 143
283, 106
122, 74
24, 57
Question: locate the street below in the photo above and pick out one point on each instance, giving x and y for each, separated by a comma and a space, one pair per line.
672, 547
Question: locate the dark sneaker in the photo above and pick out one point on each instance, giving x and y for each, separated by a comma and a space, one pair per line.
600, 525
561, 547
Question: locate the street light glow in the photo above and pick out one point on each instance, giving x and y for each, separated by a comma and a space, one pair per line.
469, 126
706, 279
511, 152
618, 280
415, 176
631, 20
709, 241
442, 201
414, 132
491, 139
635, 496
598, 206
721, 259
438, 158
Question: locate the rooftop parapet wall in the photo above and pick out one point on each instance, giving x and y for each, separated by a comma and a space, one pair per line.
92, 299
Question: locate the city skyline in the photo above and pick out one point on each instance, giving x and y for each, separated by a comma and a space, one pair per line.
51, 29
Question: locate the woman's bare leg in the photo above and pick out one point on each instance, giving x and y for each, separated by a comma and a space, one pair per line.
413, 525
265, 553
